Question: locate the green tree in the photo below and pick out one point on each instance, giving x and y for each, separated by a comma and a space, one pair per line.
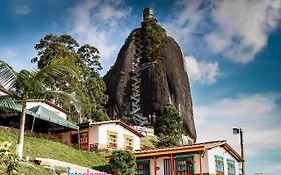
91, 87
122, 162
169, 127
26, 84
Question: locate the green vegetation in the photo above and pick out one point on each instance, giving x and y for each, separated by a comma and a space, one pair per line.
8, 161
90, 88
26, 85
149, 142
169, 127
152, 34
31, 169
39, 147
122, 162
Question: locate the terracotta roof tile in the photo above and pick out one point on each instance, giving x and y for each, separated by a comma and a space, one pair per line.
122, 123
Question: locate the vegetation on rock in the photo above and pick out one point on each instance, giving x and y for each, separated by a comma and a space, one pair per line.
149, 142
169, 128
152, 38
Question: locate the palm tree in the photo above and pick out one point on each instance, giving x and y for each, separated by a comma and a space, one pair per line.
26, 84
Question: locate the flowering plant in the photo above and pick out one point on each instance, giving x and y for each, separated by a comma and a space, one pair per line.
5, 146
8, 161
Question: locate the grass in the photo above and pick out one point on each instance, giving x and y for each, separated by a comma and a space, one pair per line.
31, 169
39, 147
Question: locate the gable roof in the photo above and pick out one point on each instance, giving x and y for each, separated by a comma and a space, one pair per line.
197, 147
121, 123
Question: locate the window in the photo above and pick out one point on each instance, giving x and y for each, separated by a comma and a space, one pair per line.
112, 139
143, 167
184, 166
231, 167
219, 165
128, 142
84, 139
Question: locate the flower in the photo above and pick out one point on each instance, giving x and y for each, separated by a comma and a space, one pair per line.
5, 146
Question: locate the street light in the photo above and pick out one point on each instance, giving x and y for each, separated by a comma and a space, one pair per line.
239, 131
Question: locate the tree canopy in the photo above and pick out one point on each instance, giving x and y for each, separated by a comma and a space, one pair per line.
122, 162
169, 127
91, 87
25, 85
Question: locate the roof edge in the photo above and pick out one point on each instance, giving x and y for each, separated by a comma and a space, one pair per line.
122, 123
49, 103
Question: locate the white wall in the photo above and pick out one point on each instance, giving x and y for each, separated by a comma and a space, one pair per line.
205, 167
102, 135
208, 162
219, 151
94, 134
58, 112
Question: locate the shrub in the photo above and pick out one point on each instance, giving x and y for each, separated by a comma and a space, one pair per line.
169, 127
9, 162
122, 162
149, 142
167, 141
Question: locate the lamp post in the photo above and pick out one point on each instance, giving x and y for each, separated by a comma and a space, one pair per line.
239, 131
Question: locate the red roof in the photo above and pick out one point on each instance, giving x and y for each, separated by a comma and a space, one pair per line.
122, 123
204, 145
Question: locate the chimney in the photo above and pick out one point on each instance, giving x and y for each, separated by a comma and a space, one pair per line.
147, 14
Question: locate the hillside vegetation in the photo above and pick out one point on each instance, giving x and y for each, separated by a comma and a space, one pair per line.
39, 147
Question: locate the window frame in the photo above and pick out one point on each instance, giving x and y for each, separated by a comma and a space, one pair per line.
231, 162
110, 142
219, 165
146, 170
127, 146
188, 167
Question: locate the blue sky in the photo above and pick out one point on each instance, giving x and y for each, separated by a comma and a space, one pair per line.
231, 49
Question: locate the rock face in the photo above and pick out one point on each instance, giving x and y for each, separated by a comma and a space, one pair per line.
149, 73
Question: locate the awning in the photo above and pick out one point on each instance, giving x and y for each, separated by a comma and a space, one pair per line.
47, 115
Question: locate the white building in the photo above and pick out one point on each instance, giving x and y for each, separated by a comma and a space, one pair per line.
41, 110
52, 107
114, 134
209, 158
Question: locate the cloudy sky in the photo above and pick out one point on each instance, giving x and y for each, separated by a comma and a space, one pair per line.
232, 49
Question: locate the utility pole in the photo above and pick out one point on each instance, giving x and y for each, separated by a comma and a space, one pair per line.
239, 131
242, 151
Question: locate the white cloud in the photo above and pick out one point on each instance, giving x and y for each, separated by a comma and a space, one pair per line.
99, 23
17, 56
203, 72
237, 29
273, 168
22, 10
216, 42
255, 113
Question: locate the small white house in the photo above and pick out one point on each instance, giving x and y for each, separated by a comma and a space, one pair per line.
209, 158
48, 105
114, 134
